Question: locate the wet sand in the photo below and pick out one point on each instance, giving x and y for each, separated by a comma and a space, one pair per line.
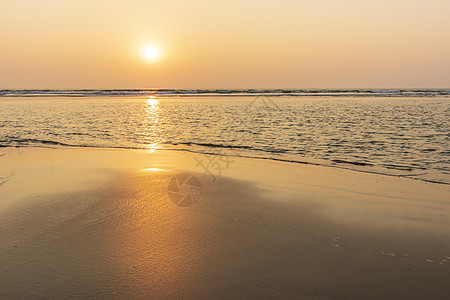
101, 223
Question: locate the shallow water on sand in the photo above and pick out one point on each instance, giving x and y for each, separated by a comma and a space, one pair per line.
404, 136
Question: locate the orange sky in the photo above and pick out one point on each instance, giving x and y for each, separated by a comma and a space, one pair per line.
225, 44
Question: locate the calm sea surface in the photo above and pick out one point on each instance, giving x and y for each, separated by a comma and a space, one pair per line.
403, 136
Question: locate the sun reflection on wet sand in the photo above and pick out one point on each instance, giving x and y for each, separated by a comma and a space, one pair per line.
153, 170
158, 245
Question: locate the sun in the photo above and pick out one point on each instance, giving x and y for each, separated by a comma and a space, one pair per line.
151, 52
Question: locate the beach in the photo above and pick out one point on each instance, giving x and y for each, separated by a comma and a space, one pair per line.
225, 150
107, 223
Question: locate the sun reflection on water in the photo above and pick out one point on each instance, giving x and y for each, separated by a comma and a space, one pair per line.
151, 132
153, 101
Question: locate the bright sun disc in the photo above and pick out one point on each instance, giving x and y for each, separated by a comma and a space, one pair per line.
151, 52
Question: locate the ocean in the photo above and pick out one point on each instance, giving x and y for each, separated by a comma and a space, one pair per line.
394, 132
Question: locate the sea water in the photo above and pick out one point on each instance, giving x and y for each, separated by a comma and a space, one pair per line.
398, 133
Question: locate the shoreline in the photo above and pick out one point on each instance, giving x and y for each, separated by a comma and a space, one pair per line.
357, 167
101, 223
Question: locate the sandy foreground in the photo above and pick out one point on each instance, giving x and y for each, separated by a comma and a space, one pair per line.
102, 223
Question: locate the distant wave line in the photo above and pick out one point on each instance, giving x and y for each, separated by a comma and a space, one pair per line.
233, 92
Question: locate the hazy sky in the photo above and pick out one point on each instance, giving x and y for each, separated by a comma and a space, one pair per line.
225, 44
